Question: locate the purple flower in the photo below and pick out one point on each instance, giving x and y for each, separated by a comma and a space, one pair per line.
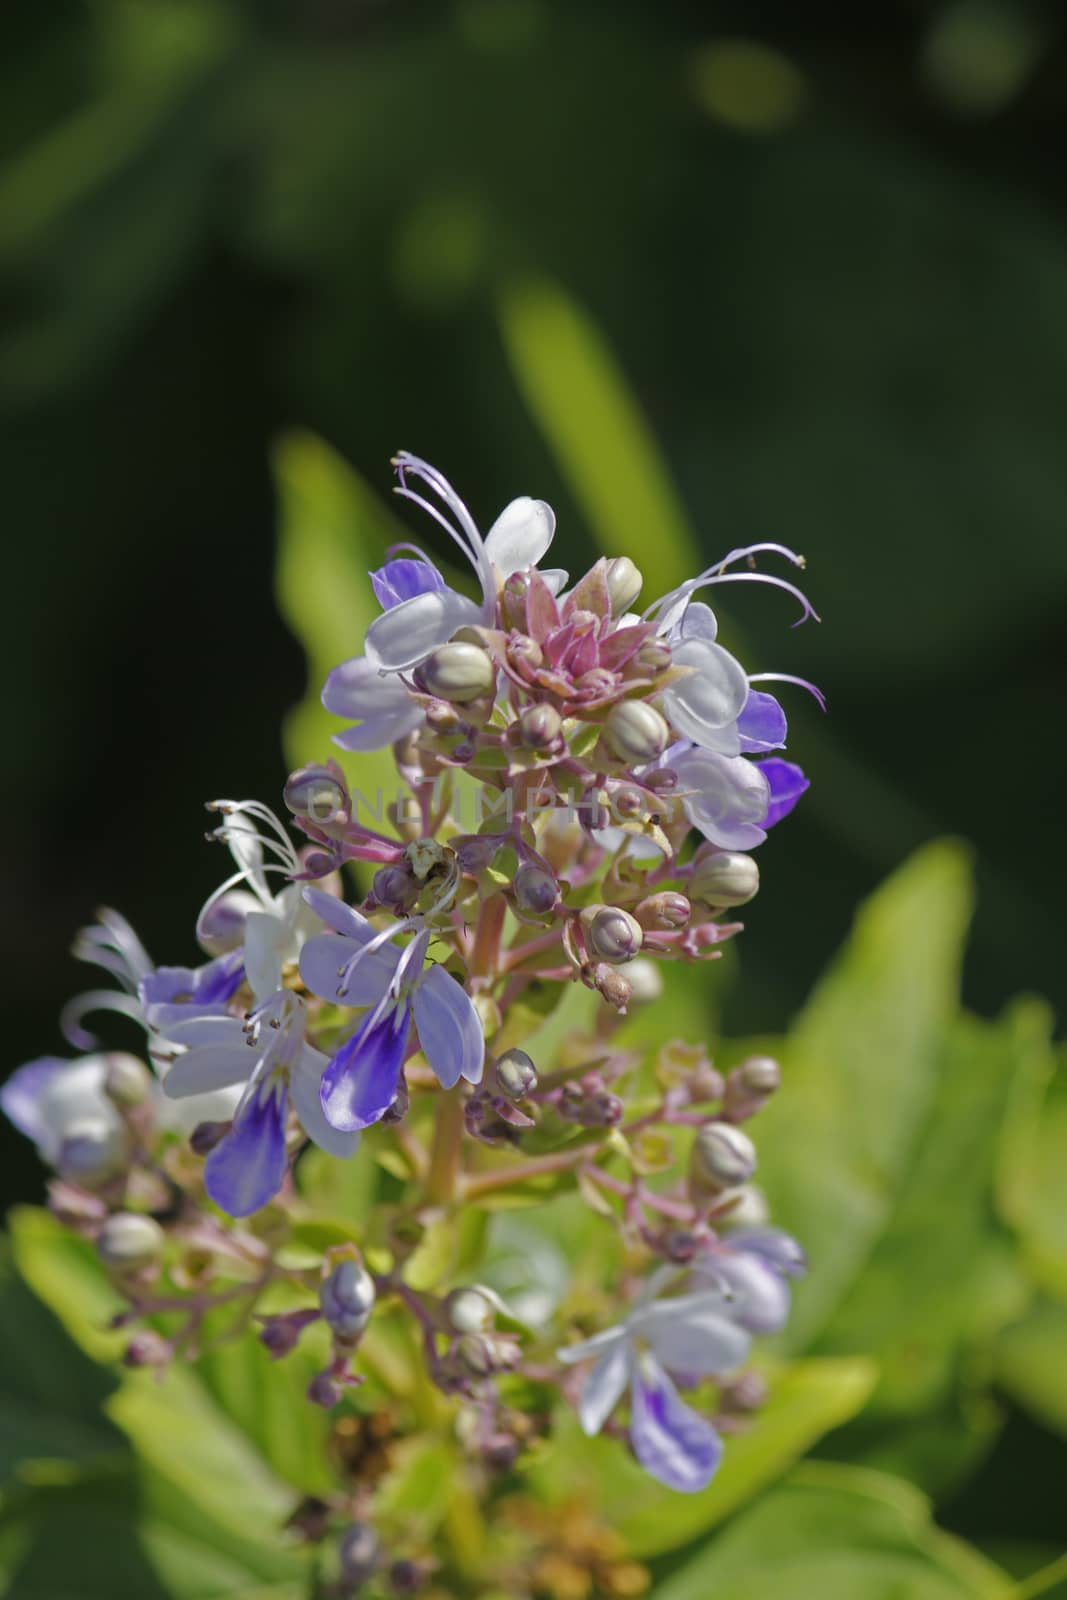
52, 1099
787, 783
751, 1270
269, 1054
692, 1336
360, 967
402, 579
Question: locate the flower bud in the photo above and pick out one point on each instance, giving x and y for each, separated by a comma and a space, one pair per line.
475, 1355
536, 889
278, 1336
611, 934
636, 731
516, 1074
319, 794
726, 879
147, 1349
128, 1082
458, 672
612, 985
645, 980
394, 886
444, 720
222, 926
624, 584
129, 1242
540, 727
513, 599
324, 1391
524, 653
471, 1310
358, 1554
665, 910
93, 1150
722, 1157
346, 1299
747, 1392
653, 658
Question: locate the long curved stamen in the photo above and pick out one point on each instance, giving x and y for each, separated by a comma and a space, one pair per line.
404, 546
247, 877
231, 836
344, 973
467, 536
70, 1018
717, 571
787, 677
413, 956
807, 609
260, 813
111, 943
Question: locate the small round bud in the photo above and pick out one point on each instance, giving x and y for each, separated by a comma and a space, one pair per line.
129, 1242
540, 727
358, 1553
476, 1355
516, 1074
645, 980
624, 584
760, 1074
222, 926
611, 934
653, 658
748, 1209
636, 731
665, 910
536, 890
324, 1391
206, 1135
128, 1082
394, 886
458, 672
444, 720
612, 985
278, 1336
524, 652
346, 1299
319, 794
470, 1310
93, 1150
747, 1392
722, 1157
726, 879
147, 1349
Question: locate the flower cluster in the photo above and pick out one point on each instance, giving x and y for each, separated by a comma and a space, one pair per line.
580, 783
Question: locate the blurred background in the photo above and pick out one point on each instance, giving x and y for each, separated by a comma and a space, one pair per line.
822, 268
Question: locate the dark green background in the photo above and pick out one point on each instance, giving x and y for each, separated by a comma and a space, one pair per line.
847, 328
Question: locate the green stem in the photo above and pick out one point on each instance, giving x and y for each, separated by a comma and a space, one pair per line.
541, 1166
445, 1152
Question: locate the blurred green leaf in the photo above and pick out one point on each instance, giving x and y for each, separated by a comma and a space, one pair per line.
1033, 1187
806, 1399
1031, 1360
839, 1533
860, 1076
573, 386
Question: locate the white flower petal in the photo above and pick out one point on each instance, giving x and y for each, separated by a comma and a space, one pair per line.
520, 535
710, 697
266, 938
213, 1066
695, 1336
357, 689
403, 636
604, 1386
571, 1354
726, 797
374, 733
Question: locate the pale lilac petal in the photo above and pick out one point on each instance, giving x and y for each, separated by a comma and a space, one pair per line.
376, 732
726, 797
555, 579
360, 1082
403, 579
698, 621
772, 1245
198, 1031
705, 704
74, 1095
404, 636
520, 535
357, 689
339, 916
787, 783
247, 1167
675, 1445
22, 1096
266, 943
760, 1300
603, 1388
762, 724
695, 1335
305, 1088
323, 959
213, 1066
174, 994
570, 1354
450, 1034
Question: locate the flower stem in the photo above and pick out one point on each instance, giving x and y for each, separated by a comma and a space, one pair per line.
445, 1152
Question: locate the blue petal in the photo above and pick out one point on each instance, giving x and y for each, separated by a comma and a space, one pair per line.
761, 724
403, 580
172, 994
246, 1169
673, 1443
360, 1083
787, 784
450, 1031
21, 1096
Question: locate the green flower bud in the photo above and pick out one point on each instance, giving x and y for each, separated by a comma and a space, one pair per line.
540, 727
636, 732
460, 672
471, 1310
725, 879
722, 1157
668, 909
624, 584
516, 1074
129, 1242
128, 1082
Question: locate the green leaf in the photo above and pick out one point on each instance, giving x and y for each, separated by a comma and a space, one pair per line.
860, 1076
573, 387
839, 1533
806, 1399
1031, 1359
1034, 1174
